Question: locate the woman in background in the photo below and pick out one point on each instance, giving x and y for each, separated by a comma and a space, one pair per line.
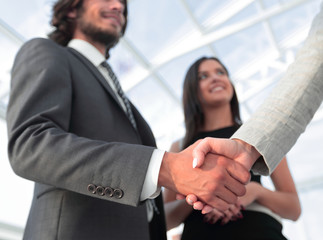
211, 109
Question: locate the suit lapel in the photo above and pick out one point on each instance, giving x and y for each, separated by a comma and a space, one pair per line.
101, 80
96, 73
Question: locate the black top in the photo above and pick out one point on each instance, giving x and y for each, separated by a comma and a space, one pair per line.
253, 225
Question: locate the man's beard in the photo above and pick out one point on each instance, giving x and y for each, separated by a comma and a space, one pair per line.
96, 34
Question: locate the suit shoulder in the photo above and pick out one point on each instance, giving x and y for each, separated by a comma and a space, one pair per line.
41, 48
41, 42
41, 45
39, 54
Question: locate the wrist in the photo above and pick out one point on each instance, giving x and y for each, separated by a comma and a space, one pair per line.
164, 172
261, 194
250, 152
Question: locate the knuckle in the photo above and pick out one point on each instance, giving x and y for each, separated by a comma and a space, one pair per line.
245, 176
214, 187
222, 206
242, 191
221, 176
233, 199
208, 198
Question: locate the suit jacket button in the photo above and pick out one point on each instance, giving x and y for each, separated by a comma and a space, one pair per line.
91, 188
109, 191
100, 190
118, 193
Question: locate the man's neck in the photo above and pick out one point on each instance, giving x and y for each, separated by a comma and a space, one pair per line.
101, 47
87, 50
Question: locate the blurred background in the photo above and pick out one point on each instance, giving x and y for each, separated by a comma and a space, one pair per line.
255, 39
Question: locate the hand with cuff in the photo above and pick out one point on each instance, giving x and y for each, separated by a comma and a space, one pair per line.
238, 150
218, 182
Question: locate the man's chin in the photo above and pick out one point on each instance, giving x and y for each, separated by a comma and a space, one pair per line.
106, 38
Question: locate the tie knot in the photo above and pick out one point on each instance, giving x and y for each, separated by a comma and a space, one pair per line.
106, 65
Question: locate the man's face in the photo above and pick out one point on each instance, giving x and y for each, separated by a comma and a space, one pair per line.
101, 20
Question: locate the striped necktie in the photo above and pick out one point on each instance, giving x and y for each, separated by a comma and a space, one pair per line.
121, 94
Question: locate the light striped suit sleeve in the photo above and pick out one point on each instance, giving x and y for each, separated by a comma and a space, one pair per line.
276, 125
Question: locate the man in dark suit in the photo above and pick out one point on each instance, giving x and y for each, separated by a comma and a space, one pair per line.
91, 154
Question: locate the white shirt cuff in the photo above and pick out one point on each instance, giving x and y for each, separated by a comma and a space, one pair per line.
150, 188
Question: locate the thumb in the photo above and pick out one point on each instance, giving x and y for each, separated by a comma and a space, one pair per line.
199, 153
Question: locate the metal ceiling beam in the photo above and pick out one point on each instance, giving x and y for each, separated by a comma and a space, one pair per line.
224, 14
8, 231
270, 81
150, 72
17, 39
10, 33
269, 29
185, 47
196, 23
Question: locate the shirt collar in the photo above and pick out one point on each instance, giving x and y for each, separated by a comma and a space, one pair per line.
88, 51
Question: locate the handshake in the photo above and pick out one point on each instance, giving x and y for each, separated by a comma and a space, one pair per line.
211, 173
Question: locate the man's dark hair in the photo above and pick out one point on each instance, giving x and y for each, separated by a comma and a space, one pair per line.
65, 26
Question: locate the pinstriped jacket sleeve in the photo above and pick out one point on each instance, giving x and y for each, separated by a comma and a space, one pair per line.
274, 128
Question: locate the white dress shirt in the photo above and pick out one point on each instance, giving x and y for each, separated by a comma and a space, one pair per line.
150, 188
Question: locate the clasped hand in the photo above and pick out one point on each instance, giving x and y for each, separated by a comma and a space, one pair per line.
217, 182
241, 154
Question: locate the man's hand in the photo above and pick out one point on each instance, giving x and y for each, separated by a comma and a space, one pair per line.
218, 182
235, 149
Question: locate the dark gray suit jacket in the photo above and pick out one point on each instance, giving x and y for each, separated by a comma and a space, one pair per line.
68, 133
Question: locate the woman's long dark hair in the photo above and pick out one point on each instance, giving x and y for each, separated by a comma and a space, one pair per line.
193, 113
65, 26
